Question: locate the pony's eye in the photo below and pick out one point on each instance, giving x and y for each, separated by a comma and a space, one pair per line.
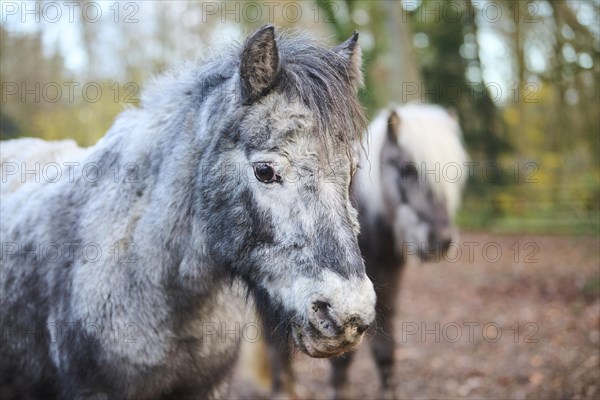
265, 173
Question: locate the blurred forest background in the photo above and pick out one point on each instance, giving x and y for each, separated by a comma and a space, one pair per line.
523, 77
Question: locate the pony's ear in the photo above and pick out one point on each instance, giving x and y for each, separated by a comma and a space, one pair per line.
393, 127
259, 64
351, 51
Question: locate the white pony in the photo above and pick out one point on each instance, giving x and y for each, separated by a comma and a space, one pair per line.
34, 160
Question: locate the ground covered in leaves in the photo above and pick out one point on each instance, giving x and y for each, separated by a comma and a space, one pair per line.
510, 316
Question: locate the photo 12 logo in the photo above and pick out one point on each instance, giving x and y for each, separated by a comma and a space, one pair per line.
120, 252
471, 171
270, 11
71, 171
70, 331
489, 252
452, 93
490, 12
69, 92
52, 12
468, 331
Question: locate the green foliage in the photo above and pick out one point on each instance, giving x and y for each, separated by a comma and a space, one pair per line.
83, 117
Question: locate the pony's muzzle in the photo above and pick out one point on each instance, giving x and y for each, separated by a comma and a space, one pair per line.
441, 238
328, 332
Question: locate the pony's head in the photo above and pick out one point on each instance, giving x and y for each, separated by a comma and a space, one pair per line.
276, 200
420, 176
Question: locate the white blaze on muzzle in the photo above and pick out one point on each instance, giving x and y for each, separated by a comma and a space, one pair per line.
352, 297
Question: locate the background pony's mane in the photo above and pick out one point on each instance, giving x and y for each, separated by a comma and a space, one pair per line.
309, 71
431, 136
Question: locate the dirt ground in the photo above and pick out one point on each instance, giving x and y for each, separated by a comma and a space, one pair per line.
521, 322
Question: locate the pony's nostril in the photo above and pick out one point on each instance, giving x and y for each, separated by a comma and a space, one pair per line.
324, 319
320, 306
358, 324
362, 328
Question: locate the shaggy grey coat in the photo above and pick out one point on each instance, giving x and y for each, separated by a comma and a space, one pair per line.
119, 282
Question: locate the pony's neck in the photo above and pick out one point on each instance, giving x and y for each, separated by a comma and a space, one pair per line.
161, 204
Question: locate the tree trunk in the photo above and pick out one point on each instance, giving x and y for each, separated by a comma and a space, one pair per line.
403, 63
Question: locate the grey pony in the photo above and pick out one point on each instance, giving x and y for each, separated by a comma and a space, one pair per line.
240, 179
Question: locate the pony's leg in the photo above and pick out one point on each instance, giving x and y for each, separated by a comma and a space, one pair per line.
282, 371
339, 375
382, 347
382, 343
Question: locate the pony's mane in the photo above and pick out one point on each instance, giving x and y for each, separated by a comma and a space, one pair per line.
432, 138
309, 71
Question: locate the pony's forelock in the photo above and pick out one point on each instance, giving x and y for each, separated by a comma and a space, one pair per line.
434, 141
